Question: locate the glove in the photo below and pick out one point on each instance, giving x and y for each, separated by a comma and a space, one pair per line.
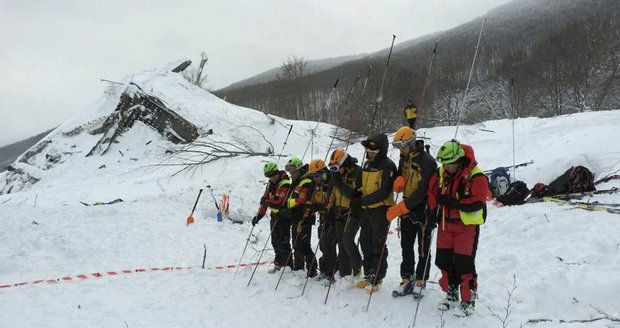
255, 220
399, 184
431, 219
300, 226
451, 203
355, 204
397, 210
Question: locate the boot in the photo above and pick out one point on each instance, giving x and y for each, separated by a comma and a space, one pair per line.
451, 300
274, 269
418, 288
405, 288
466, 308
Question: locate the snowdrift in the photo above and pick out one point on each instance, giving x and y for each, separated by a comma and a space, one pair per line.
564, 260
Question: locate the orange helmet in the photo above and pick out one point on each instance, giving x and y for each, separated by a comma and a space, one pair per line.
403, 137
339, 156
316, 165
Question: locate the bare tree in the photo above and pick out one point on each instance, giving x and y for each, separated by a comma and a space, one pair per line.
196, 75
291, 73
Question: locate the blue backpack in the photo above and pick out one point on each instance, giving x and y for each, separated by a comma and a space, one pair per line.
499, 180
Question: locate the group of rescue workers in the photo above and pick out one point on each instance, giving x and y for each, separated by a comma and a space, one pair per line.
348, 198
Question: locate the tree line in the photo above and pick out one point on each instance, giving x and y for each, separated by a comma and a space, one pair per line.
537, 58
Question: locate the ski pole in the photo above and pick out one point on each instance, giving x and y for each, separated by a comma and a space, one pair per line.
329, 98
428, 76
323, 233
428, 256
284, 145
243, 253
471, 71
372, 289
288, 258
380, 98
263, 250
346, 102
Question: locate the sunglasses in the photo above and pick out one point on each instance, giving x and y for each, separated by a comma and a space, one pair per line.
315, 175
370, 145
334, 167
400, 144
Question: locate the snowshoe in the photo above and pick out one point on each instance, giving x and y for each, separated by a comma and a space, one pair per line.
465, 309
405, 288
364, 282
371, 288
328, 281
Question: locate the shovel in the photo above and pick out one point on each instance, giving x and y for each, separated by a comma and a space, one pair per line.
190, 218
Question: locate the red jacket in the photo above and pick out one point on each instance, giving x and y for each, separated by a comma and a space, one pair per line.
471, 193
275, 195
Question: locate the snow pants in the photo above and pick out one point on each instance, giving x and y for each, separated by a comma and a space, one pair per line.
456, 254
349, 257
409, 231
280, 238
301, 244
374, 228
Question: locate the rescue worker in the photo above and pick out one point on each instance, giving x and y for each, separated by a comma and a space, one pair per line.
415, 169
326, 231
275, 194
458, 192
345, 174
298, 208
376, 180
411, 113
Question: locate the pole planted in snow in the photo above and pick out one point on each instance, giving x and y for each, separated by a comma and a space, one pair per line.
471, 72
380, 98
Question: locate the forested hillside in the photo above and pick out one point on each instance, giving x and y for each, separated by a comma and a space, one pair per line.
536, 58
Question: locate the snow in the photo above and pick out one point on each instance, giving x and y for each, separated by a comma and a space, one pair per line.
563, 259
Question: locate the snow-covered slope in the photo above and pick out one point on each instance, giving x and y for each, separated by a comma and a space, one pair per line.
564, 260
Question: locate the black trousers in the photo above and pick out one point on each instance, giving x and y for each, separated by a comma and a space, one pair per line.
280, 238
409, 231
349, 257
411, 122
303, 252
374, 228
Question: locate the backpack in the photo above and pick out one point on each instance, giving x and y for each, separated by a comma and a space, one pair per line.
515, 195
499, 180
576, 179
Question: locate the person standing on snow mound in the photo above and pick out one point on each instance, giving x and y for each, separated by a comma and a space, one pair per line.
411, 113
375, 184
415, 169
458, 192
298, 208
345, 174
273, 199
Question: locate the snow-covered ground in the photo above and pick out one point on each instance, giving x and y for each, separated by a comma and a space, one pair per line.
563, 260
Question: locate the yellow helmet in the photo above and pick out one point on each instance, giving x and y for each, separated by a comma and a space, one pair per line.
316, 165
403, 137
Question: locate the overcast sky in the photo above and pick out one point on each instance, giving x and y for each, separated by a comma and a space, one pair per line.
53, 53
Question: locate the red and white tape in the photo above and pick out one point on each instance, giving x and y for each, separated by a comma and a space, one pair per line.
97, 275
